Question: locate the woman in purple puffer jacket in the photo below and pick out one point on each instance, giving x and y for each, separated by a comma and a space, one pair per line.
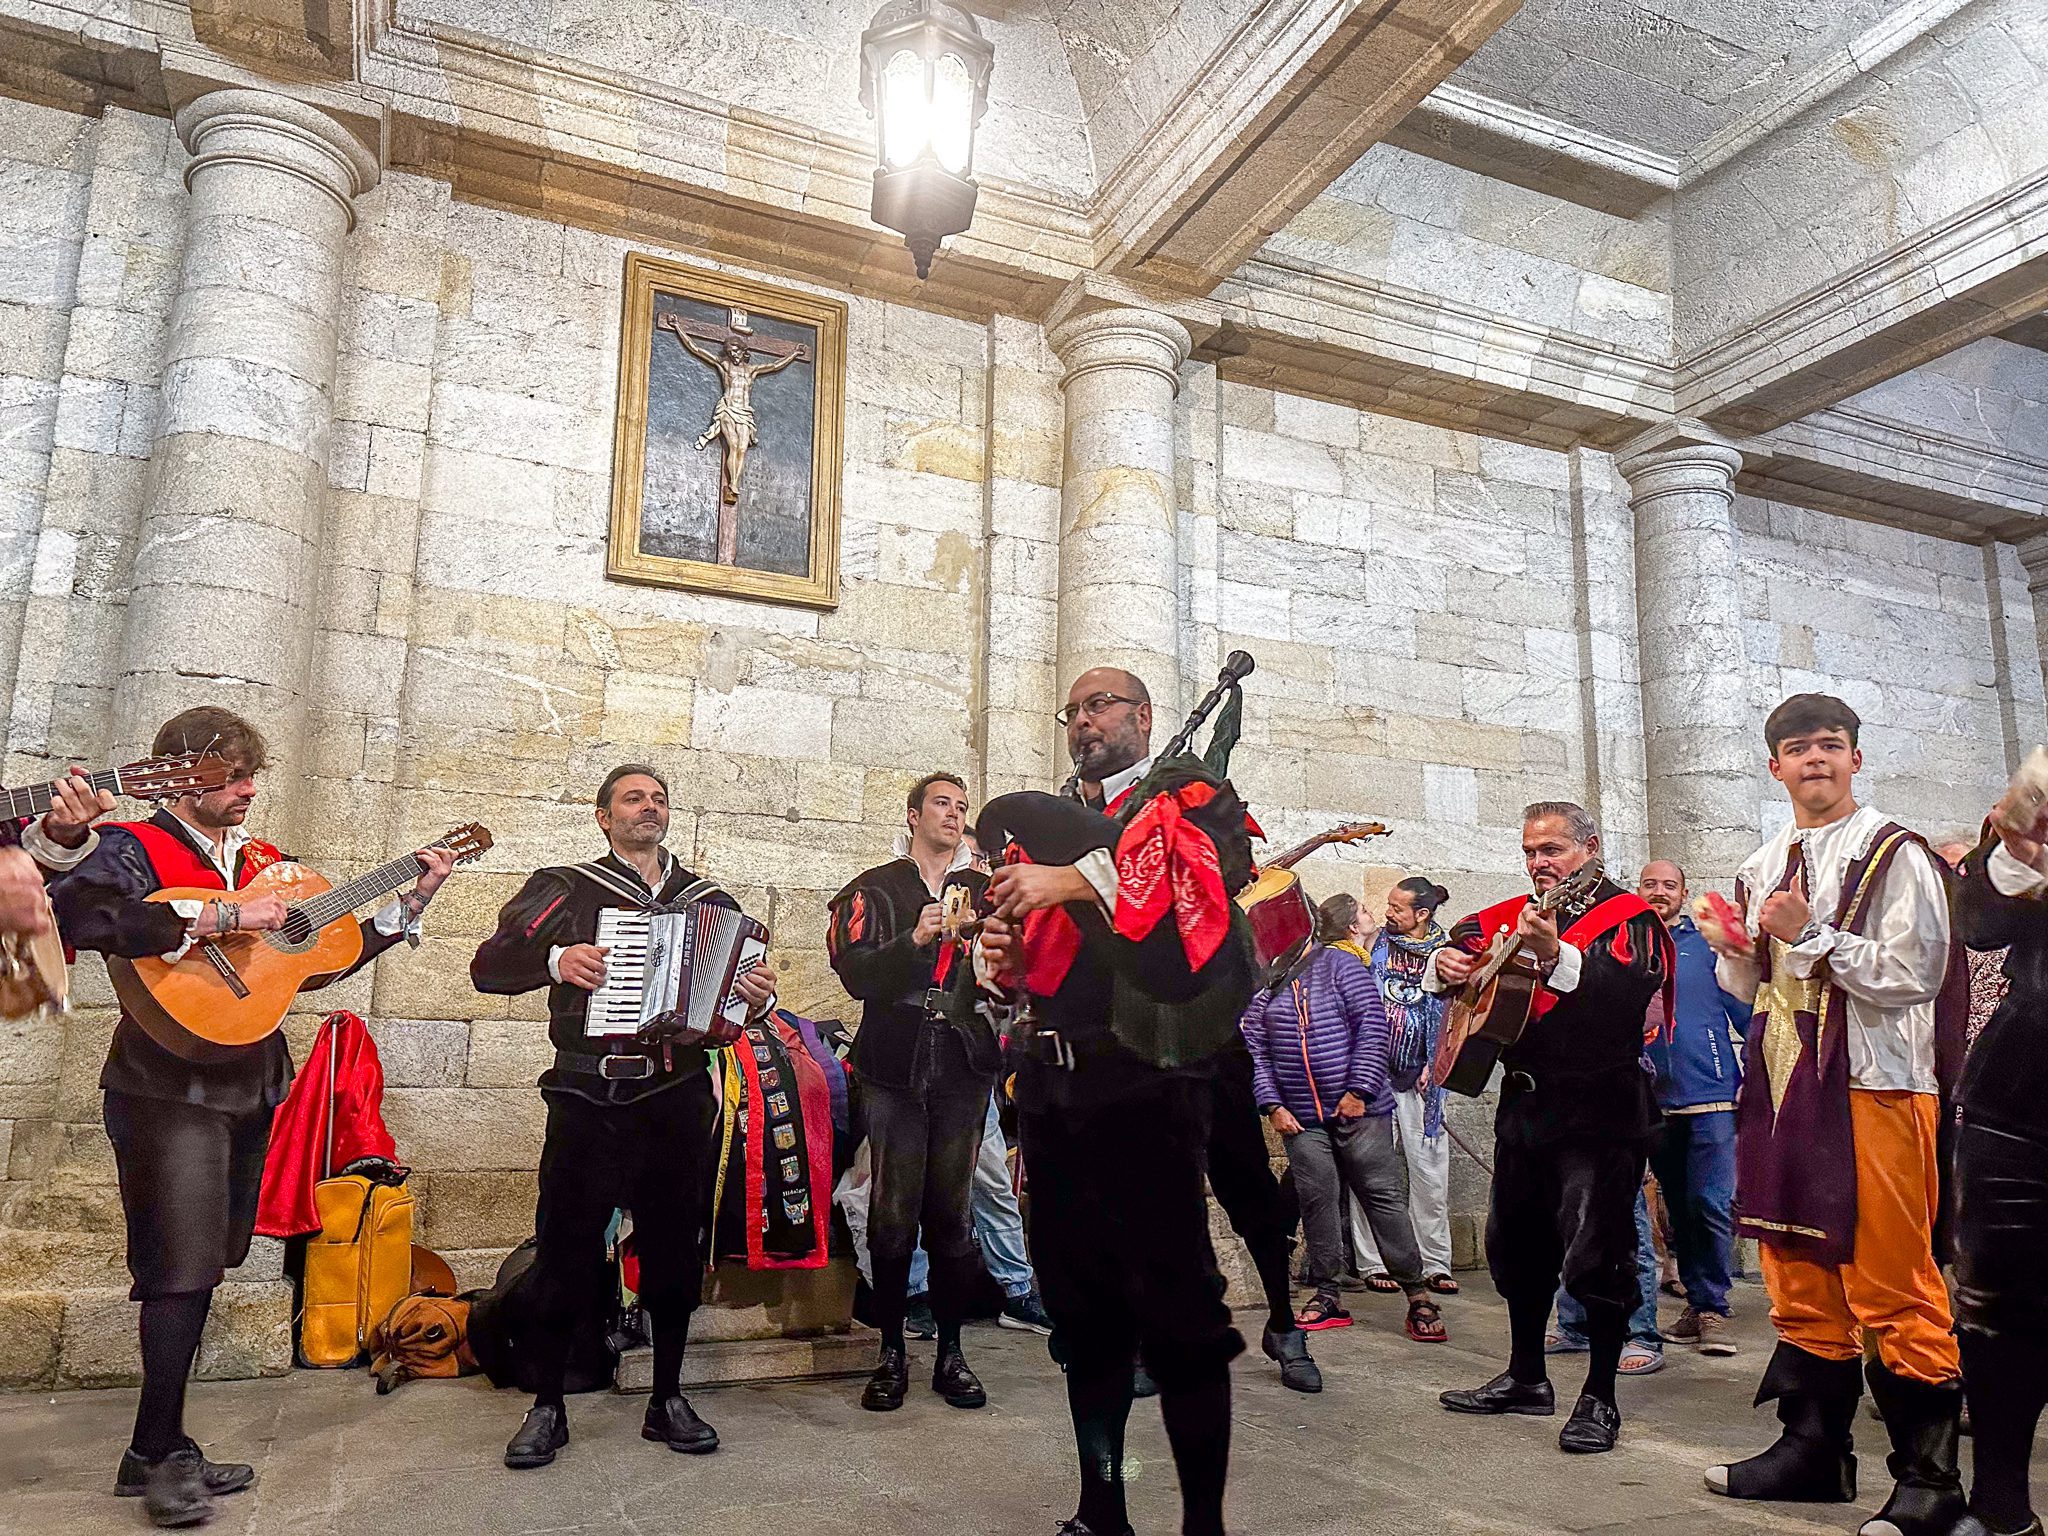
1318, 1038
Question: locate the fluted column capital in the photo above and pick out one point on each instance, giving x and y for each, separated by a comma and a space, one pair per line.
1676, 459
240, 126
1123, 337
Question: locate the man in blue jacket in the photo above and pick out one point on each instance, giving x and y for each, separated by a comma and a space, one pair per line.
1698, 1065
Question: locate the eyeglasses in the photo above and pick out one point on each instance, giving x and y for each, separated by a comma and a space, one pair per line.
1095, 704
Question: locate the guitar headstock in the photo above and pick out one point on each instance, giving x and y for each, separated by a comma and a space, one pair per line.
468, 841
1356, 832
166, 778
1580, 882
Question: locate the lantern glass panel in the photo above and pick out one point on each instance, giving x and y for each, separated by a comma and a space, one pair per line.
952, 114
906, 110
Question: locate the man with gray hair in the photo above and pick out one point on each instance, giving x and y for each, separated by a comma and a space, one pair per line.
1576, 1117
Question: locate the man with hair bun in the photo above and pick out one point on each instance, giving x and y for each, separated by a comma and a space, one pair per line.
1409, 935
1575, 1123
1841, 935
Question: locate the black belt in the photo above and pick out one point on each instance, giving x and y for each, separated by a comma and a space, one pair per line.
612, 1066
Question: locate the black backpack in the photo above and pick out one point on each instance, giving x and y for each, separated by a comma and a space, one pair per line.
502, 1323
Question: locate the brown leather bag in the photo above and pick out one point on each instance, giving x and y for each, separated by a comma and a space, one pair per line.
421, 1336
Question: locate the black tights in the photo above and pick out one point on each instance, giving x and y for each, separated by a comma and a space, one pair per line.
2005, 1381
1101, 1406
1197, 1426
171, 1326
1529, 1320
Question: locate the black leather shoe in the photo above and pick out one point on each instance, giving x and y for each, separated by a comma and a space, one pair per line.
174, 1493
891, 1379
956, 1383
1298, 1372
676, 1422
220, 1477
544, 1431
1592, 1428
1504, 1394
1970, 1525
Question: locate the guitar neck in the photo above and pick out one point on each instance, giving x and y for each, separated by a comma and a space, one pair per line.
363, 890
36, 798
1296, 854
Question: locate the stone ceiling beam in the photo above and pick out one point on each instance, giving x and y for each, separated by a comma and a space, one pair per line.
1306, 88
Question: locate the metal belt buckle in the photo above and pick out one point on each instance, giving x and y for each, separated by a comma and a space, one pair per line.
616, 1068
1050, 1047
935, 1002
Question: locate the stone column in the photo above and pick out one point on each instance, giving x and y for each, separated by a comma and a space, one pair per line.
222, 605
1119, 593
1702, 741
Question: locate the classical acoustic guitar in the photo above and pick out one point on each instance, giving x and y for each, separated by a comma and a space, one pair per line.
229, 992
1280, 912
1495, 1005
32, 970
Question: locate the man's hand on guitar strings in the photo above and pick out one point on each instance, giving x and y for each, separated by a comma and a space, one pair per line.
1454, 967
265, 913
74, 806
1539, 935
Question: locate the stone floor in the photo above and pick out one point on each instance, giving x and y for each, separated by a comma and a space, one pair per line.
1372, 1454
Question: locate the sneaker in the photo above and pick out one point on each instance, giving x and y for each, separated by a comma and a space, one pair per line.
918, 1322
1716, 1337
1685, 1329
1027, 1314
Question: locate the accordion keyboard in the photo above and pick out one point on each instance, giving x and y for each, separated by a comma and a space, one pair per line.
615, 1007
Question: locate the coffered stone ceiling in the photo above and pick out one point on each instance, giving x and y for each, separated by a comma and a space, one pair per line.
1663, 74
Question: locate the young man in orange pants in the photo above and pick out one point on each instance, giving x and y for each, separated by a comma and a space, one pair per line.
1844, 947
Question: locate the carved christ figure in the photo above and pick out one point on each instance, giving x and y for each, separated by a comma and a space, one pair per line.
733, 417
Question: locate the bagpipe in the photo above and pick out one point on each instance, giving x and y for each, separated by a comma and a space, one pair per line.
1174, 968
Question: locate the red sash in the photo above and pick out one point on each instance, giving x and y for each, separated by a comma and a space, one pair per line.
179, 865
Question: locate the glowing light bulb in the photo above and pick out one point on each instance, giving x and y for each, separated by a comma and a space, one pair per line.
906, 110
952, 113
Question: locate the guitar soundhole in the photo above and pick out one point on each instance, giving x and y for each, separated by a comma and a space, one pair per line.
297, 933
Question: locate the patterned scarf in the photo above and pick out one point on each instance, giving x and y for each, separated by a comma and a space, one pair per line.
1414, 1017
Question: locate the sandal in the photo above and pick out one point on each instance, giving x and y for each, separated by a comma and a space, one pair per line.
1638, 1359
1426, 1322
1443, 1285
1379, 1280
1323, 1311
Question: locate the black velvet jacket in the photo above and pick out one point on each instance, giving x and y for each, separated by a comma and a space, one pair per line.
870, 938
100, 907
2005, 1080
558, 907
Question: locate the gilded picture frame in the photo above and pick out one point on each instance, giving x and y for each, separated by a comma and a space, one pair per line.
715, 371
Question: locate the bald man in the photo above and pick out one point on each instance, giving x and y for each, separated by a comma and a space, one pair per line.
1698, 1065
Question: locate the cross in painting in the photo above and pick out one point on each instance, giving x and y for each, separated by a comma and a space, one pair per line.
730, 350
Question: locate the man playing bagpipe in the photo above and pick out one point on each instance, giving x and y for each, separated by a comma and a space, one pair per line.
924, 1078
1137, 964
1108, 720
1576, 1120
631, 1118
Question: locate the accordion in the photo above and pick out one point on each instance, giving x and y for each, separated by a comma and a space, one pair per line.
675, 965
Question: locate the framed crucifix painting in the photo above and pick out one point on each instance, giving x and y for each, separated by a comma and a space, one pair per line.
725, 469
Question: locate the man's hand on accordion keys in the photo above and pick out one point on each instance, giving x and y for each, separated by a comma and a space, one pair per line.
582, 965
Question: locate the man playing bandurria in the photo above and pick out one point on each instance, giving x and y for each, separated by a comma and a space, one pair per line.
189, 1138
631, 1119
2001, 1171
924, 1081
1135, 982
1842, 937
1108, 720
1575, 1123
1697, 1072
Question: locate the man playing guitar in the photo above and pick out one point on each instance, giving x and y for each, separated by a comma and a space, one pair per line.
189, 1137
1575, 1123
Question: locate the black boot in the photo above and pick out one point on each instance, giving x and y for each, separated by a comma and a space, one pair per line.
1298, 1372
673, 1420
544, 1431
885, 1388
955, 1382
220, 1477
174, 1493
1811, 1461
1922, 1420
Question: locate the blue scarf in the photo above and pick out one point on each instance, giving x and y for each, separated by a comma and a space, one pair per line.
1415, 1018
